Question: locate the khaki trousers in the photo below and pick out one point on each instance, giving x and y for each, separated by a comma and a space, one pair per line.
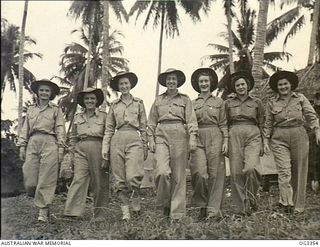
87, 170
244, 154
171, 160
40, 170
207, 170
126, 156
290, 147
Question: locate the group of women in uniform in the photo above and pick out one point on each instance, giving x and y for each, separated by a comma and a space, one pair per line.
204, 130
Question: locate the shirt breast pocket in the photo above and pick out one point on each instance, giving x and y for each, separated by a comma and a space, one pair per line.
132, 116
178, 109
251, 109
100, 123
198, 111
80, 126
213, 111
163, 109
234, 110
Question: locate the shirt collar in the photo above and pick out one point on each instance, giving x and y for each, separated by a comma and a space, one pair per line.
294, 94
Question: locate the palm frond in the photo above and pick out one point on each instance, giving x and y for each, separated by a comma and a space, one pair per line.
278, 25
220, 48
294, 29
273, 56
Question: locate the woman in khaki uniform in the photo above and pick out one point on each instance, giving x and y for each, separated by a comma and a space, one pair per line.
125, 142
86, 158
245, 117
207, 166
42, 141
285, 116
172, 125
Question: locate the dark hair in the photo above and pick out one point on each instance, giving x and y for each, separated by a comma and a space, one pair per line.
205, 74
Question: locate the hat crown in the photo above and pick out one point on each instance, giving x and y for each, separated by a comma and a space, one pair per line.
170, 70
122, 73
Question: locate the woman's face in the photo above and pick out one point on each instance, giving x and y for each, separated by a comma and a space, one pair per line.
124, 85
204, 83
44, 92
90, 100
284, 87
172, 81
241, 87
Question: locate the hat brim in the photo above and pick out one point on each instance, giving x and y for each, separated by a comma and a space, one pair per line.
114, 83
98, 92
195, 79
54, 87
290, 76
237, 75
180, 76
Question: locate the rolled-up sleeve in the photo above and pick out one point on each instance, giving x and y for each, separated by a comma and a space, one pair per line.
109, 131
191, 120
24, 133
60, 129
309, 113
223, 121
152, 122
268, 123
143, 125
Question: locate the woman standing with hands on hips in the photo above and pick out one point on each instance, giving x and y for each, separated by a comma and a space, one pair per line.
42, 142
86, 159
207, 169
125, 142
283, 129
245, 117
172, 125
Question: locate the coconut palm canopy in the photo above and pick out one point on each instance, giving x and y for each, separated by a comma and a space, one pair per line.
10, 40
74, 60
244, 40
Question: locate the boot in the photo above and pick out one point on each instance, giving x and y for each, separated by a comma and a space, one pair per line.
43, 215
166, 211
125, 212
203, 213
135, 204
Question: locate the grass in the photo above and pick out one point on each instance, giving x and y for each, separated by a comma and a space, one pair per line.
19, 221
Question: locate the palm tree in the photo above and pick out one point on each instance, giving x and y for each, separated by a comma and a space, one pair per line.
166, 12
92, 13
10, 43
244, 40
259, 45
74, 63
21, 52
228, 4
314, 32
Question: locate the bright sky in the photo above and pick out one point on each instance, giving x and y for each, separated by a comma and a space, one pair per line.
48, 24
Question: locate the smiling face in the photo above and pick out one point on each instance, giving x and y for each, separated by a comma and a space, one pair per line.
241, 87
124, 85
172, 81
44, 92
90, 100
284, 87
204, 83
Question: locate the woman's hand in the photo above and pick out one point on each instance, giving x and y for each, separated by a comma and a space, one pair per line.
105, 156
266, 148
152, 146
60, 155
145, 153
225, 148
22, 153
317, 133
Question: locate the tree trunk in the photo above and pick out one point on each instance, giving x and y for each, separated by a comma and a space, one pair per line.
259, 46
106, 55
314, 31
21, 63
87, 72
160, 48
230, 40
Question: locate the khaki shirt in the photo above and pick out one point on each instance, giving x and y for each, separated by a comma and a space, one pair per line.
251, 109
211, 110
121, 115
83, 127
167, 108
47, 120
295, 112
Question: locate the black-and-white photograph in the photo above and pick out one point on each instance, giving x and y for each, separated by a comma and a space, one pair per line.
160, 120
